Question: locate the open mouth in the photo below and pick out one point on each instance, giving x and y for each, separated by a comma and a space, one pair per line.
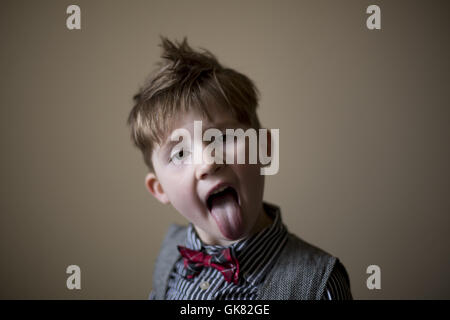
221, 193
224, 206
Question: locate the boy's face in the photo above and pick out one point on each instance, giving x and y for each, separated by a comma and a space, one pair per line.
225, 217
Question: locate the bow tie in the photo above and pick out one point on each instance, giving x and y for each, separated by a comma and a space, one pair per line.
224, 261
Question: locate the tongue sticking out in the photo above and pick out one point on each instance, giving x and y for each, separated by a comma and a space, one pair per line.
227, 214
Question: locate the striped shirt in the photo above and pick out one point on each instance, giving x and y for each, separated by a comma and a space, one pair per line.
256, 255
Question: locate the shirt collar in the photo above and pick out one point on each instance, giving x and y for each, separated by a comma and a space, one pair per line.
256, 253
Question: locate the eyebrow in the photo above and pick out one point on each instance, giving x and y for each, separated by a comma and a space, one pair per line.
167, 146
223, 125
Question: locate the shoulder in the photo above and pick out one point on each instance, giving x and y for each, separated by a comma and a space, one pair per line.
298, 249
176, 232
176, 235
308, 260
338, 284
303, 270
168, 254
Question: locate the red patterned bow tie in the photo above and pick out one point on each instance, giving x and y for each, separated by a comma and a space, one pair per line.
224, 261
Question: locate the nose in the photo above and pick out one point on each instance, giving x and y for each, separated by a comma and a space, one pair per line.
204, 169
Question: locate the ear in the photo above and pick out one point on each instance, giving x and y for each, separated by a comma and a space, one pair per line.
155, 188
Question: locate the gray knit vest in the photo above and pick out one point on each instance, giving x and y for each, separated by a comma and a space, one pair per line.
300, 273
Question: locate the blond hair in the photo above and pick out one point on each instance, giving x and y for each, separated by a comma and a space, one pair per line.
184, 80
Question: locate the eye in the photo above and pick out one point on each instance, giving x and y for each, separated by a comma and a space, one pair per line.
179, 155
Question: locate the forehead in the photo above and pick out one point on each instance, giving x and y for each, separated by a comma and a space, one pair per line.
216, 117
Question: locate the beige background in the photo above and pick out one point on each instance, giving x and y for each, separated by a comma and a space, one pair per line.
363, 118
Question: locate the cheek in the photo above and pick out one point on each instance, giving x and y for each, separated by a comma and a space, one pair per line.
181, 194
170, 184
244, 147
251, 179
177, 188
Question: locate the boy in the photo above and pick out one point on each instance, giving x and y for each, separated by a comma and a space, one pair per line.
236, 246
